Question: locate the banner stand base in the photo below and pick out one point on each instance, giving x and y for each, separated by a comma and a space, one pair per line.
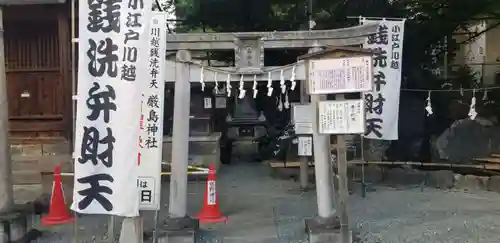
327, 231
178, 230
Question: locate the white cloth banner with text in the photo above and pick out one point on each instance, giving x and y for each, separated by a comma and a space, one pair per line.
151, 120
112, 67
382, 104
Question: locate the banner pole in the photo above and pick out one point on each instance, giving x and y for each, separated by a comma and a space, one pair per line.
111, 229
155, 229
75, 228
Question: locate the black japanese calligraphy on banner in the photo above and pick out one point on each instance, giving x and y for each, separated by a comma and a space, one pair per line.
103, 15
151, 129
114, 41
374, 105
102, 58
382, 104
147, 188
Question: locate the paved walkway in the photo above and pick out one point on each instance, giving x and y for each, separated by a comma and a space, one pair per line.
266, 210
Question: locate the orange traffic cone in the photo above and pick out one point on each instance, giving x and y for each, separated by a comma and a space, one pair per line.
210, 212
58, 211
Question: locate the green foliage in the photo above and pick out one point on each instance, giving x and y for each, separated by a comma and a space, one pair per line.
242, 15
428, 22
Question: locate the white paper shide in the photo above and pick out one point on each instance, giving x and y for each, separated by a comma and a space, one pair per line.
382, 104
341, 117
340, 75
111, 65
151, 122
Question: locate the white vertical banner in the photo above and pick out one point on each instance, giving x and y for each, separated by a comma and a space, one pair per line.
382, 104
111, 66
151, 119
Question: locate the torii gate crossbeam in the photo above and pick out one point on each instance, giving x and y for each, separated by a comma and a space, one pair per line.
271, 40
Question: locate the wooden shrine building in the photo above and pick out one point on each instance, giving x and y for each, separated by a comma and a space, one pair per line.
38, 66
38, 70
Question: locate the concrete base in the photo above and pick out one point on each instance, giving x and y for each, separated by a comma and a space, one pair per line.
132, 230
327, 231
178, 230
14, 225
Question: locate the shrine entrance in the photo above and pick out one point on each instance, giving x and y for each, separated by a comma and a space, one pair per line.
221, 123
196, 142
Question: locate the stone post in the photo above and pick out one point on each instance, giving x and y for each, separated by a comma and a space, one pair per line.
180, 137
322, 164
304, 160
15, 222
178, 227
6, 193
325, 227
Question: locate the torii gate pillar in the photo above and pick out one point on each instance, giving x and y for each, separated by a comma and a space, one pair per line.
326, 221
178, 227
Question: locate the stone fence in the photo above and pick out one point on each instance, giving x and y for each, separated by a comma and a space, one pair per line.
32, 165
442, 179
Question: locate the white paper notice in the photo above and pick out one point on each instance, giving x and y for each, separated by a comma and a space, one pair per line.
207, 102
340, 75
302, 115
147, 192
341, 117
303, 128
305, 146
212, 196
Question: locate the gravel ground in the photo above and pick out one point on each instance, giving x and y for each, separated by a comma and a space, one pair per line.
412, 215
266, 210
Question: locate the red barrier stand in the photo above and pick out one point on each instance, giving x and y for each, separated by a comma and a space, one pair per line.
58, 211
210, 212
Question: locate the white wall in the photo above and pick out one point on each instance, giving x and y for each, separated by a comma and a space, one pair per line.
490, 64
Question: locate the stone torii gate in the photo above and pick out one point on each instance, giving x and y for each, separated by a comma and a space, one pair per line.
249, 61
249, 47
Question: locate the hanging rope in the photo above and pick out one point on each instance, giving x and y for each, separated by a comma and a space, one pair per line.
293, 67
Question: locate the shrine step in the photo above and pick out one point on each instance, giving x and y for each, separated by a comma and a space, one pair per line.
26, 177
26, 193
47, 163
42, 164
24, 164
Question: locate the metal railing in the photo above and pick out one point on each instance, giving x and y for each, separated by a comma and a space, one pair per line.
198, 170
